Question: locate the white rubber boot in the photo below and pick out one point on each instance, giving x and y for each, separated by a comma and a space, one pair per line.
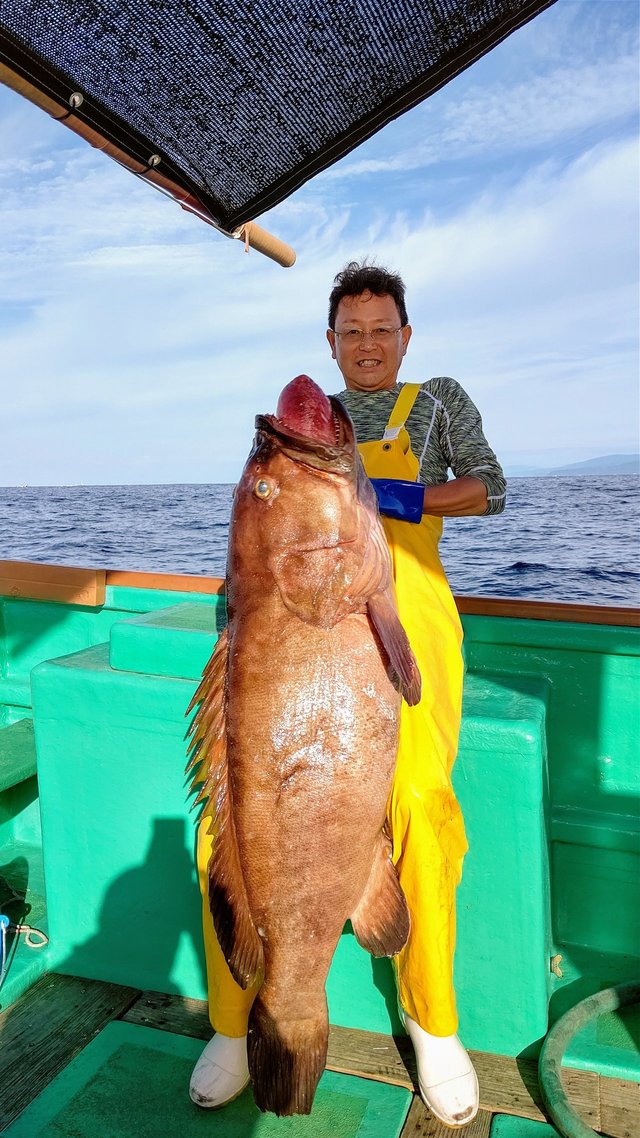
448, 1083
221, 1073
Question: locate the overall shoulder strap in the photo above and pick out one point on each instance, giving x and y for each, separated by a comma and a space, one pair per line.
401, 409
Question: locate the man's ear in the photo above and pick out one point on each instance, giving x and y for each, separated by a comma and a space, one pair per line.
406, 336
331, 337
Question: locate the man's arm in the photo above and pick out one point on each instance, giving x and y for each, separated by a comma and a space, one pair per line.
456, 499
478, 486
470, 457
409, 501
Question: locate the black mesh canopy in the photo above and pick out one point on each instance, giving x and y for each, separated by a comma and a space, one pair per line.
243, 102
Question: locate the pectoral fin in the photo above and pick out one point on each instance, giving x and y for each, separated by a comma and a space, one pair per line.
381, 921
228, 901
396, 645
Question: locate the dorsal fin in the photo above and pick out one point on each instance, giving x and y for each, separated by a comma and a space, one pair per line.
228, 901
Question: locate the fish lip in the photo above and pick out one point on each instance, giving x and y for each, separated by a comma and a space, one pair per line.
312, 453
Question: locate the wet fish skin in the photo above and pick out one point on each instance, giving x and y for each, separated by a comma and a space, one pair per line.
298, 721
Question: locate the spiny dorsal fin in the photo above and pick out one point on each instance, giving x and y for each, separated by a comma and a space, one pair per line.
228, 901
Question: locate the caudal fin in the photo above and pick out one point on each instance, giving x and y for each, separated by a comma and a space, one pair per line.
286, 1060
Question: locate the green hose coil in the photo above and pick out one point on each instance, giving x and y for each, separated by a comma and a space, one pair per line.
561, 1113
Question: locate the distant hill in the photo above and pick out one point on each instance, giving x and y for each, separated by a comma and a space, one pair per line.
512, 471
607, 464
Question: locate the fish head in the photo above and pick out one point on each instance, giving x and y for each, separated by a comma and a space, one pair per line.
303, 508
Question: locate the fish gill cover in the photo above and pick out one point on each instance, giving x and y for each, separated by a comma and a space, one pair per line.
242, 103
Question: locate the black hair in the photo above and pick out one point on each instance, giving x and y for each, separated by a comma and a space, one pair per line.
357, 278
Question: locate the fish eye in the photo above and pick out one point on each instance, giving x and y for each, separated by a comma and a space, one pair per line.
263, 488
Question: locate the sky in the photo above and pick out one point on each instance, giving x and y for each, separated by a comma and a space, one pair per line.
137, 344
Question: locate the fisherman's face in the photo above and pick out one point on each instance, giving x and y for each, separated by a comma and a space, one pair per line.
367, 363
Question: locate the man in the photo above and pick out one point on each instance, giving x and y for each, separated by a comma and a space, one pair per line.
408, 437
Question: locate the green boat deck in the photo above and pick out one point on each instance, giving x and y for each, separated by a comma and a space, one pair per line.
96, 842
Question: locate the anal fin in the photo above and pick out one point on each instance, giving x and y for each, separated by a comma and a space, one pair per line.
381, 921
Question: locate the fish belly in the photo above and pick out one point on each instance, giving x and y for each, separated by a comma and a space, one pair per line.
312, 740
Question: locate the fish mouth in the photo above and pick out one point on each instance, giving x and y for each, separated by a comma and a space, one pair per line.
338, 458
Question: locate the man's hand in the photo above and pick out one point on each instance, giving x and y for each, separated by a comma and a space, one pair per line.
399, 499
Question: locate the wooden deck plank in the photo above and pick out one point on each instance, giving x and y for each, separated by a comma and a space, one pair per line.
385, 1058
177, 1014
420, 1123
46, 1028
582, 1089
619, 1108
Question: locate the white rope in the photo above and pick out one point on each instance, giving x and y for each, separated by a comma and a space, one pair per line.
33, 938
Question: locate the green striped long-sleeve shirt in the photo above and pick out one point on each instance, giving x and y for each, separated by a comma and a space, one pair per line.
445, 429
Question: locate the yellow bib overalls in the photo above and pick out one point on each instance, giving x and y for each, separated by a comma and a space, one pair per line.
428, 831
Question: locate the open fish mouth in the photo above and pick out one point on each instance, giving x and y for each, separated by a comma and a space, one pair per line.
338, 429
339, 457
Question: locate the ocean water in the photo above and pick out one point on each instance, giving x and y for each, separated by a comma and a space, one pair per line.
565, 539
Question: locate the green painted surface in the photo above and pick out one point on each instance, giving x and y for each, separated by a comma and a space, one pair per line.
124, 843
504, 900
22, 899
10, 714
175, 641
604, 830
608, 1043
20, 814
17, 753
547, 775
33, 631
595, 906
594, 713
126, 599
505, 1126
21, 873
131, 1082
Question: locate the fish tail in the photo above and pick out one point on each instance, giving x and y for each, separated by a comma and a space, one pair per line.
286, 1060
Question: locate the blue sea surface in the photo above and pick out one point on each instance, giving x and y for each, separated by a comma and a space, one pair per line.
566, 539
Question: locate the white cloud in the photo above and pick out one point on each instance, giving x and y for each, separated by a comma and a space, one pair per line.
527, 298
508, 117
136, 344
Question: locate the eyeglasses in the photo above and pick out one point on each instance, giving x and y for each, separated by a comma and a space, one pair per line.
356, 335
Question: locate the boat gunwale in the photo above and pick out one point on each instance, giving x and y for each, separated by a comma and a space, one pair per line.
23, 574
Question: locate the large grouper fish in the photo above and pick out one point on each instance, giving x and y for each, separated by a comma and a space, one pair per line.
296, 732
